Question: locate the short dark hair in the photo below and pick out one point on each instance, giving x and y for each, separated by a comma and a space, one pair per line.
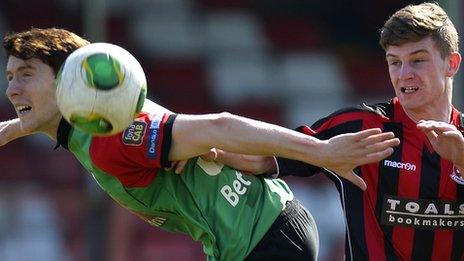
415, 22
51, 45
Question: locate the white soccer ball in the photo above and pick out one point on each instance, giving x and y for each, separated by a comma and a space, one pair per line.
101, 87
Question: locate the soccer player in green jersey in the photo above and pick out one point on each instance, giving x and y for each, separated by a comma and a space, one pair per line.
235, 216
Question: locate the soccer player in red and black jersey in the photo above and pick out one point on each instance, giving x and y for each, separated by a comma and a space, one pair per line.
413, 206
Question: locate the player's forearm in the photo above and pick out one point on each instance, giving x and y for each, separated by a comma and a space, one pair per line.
10, 130
240, 135
260, 138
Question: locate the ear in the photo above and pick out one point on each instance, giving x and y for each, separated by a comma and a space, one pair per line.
454, 60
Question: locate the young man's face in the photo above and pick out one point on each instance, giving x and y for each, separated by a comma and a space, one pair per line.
31, 90
418, 73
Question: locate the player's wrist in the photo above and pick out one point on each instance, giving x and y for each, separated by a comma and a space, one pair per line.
321, 153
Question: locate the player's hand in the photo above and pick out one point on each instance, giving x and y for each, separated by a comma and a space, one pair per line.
179, 166
253, 164
445, 139
10, 130
247, 163
343, 153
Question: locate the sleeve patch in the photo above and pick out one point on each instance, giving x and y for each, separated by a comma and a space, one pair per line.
153, 137
133, 135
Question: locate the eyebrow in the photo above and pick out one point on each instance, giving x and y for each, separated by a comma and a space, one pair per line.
413, 53
21, 68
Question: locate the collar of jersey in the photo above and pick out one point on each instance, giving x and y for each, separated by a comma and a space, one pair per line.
62, 134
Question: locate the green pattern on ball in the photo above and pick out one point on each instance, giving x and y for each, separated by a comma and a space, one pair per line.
102, 71
141, 100
93, 124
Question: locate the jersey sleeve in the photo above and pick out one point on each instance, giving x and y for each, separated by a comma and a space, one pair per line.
135, 155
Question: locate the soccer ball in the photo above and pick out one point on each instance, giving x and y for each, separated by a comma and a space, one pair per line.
101, 87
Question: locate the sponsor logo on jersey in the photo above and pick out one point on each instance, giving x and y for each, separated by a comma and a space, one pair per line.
422, 214
153, 137
133, 135
233, 191
399, 165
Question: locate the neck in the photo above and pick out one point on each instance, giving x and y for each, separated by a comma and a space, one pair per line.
52, 128
443, 115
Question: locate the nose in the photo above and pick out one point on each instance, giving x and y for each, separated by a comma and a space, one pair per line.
406, 72
13, 89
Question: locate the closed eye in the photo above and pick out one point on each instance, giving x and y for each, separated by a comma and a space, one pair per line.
28, 74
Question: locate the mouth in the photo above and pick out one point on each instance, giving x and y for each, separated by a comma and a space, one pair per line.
408, 90
23, 109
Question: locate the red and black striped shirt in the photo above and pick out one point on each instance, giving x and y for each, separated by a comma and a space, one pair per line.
412, 208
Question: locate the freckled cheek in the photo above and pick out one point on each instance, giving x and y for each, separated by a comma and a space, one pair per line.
393, 77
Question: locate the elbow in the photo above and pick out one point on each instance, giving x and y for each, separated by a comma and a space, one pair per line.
222, 121
221, 129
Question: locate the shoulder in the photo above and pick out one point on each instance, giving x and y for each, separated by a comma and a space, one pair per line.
378, 112
137, 152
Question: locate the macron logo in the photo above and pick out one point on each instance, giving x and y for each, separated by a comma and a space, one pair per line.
400, 165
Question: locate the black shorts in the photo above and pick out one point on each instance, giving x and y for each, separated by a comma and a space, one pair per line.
292, 236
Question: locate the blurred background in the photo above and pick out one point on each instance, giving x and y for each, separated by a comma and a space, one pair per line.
288, 62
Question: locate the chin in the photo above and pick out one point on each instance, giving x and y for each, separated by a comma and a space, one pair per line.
410, 103
413, 106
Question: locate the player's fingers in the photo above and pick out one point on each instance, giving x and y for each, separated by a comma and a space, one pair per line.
373, 157
180, 166
173, 164
436, 129
378, 147
355, 179
435, 125
381, 145
376, 156
210, 155
361, 135
451, 134
431, 135
377, 138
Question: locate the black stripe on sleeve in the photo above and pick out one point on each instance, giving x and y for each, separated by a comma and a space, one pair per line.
167, 139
